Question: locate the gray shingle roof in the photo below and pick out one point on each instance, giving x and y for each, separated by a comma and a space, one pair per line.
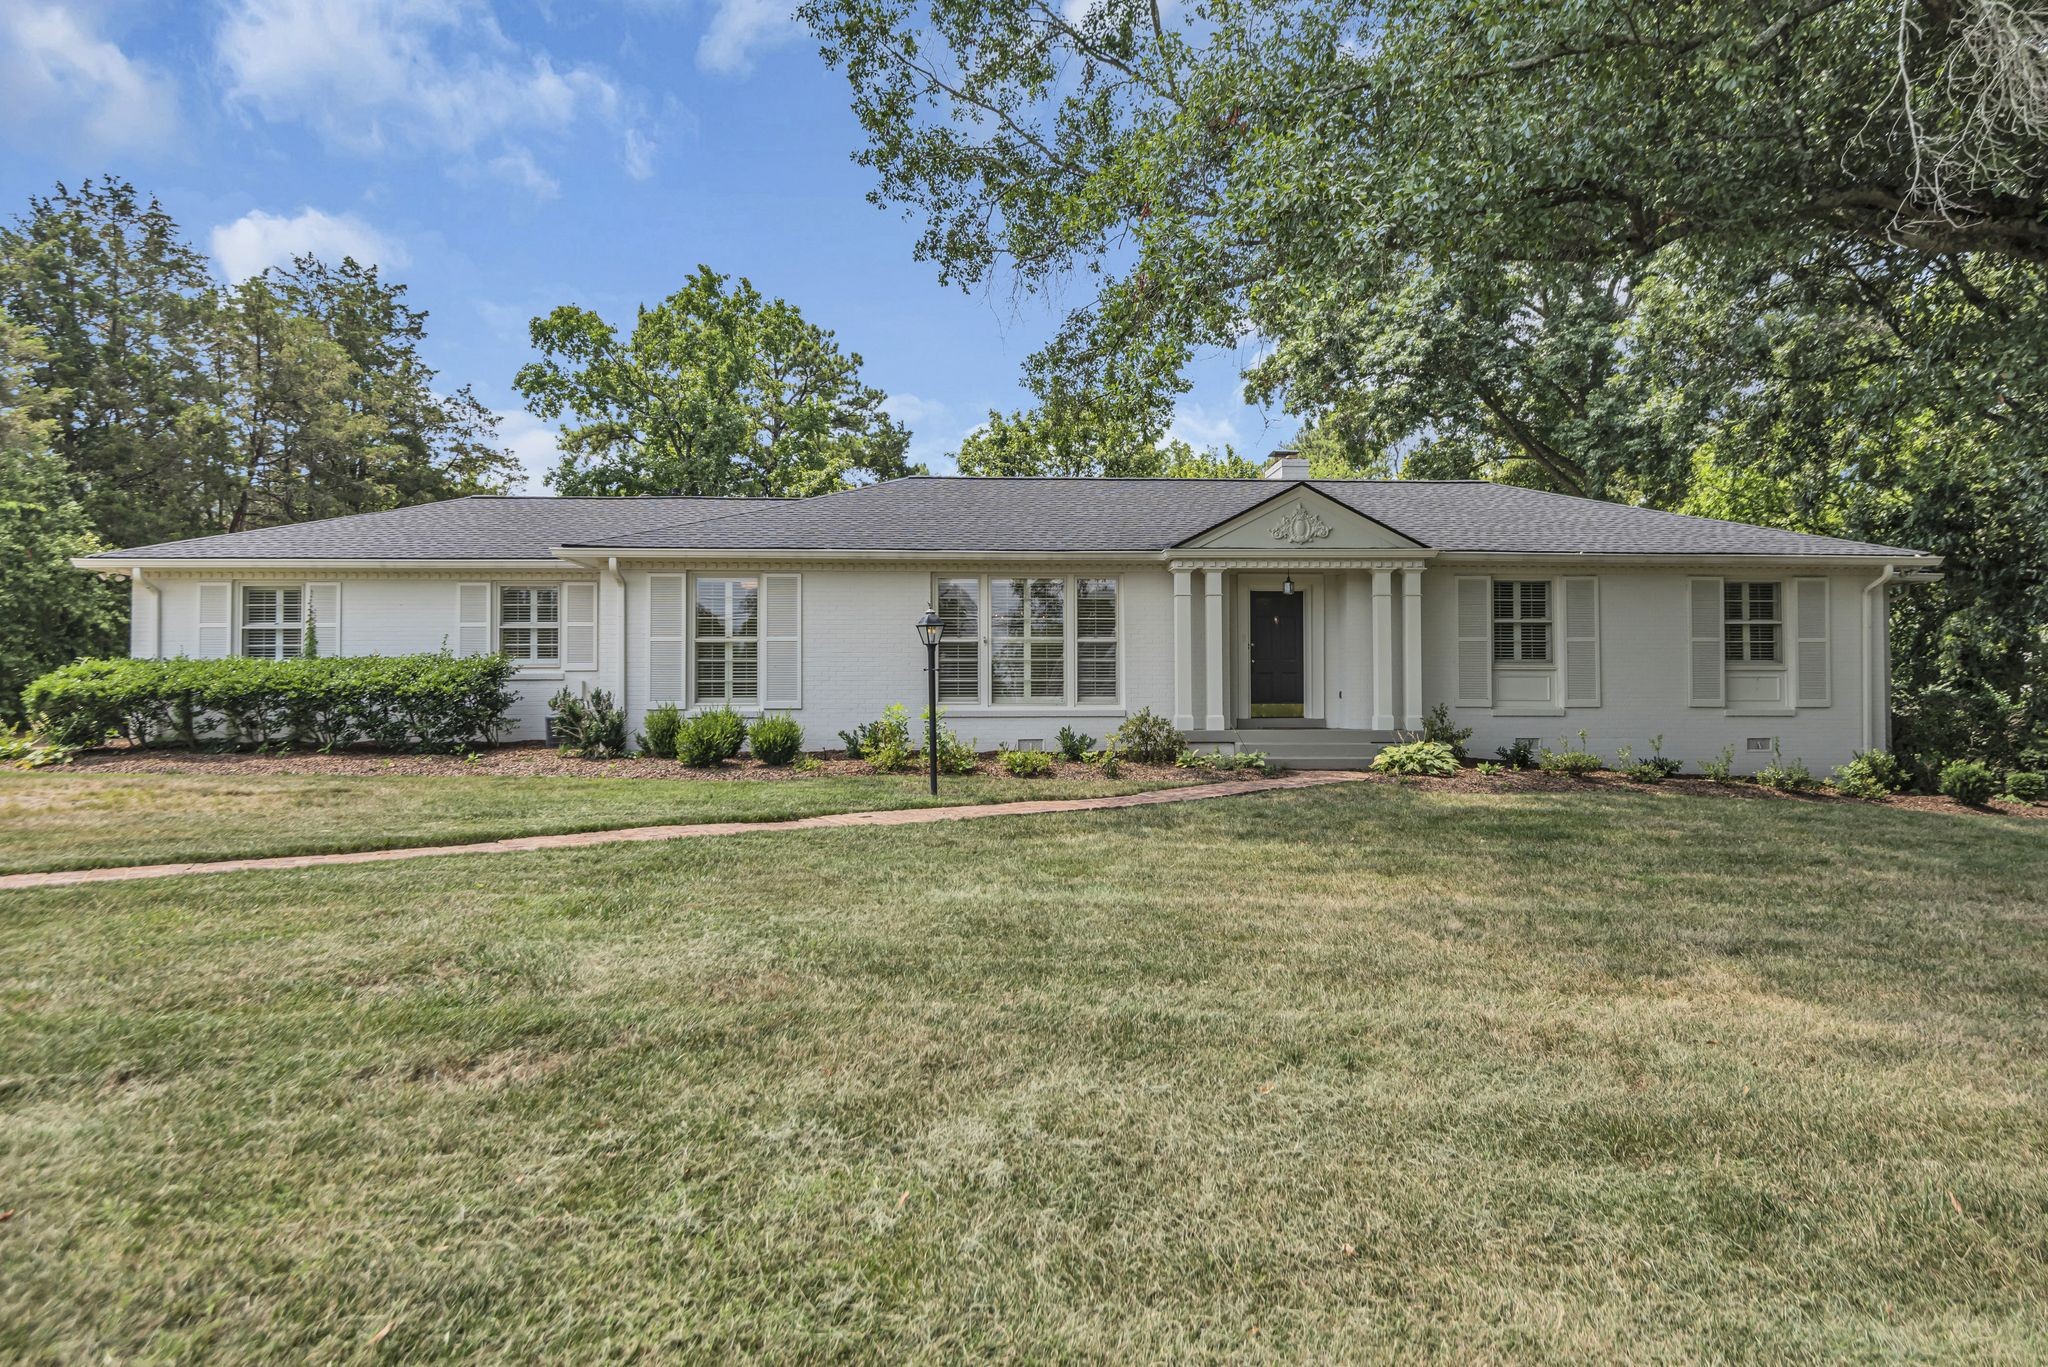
952, 514
480, 528
942, 515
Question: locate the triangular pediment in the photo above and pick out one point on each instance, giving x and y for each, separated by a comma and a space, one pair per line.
1301, 520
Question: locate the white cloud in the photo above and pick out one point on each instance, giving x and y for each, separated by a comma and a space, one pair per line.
740, 29
1201, 429
517, 167
639, 154
374, 76
258, 240
533, 442
57, 74
912, 411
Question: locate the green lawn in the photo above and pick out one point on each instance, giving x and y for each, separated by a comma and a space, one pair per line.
58, 820
1352, 1073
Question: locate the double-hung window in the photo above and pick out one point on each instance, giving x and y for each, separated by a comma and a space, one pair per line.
273, 621
1095, 640
530, 625
1028, 640
1521, 621
959, 607
1752, 627
728, 631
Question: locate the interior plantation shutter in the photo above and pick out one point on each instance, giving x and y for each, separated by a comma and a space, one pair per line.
579, 626
665, 619
1475, 641
1810, 642
1582, 642
323, 602
473, 619
1708, 686
216, 625
781, 640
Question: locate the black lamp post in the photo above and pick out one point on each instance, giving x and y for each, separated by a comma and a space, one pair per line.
929, 629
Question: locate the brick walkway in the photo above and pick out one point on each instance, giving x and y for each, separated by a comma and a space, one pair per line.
913, 816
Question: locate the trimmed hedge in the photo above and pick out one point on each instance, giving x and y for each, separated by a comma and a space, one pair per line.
433, 702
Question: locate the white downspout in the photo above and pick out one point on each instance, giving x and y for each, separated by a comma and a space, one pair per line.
1873, 699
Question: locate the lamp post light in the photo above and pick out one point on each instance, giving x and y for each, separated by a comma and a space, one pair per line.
929, 629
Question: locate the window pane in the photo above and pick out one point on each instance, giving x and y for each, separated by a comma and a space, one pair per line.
1763, 601
291, 606
710, 671
1048, 607
1095, 608
960, 671
1048, 670
1731, 642
1535, 641
1503, 598
288, 643
1731, 600
547, 643
516, 642
259, 605
515, 605
1503, 640
1096, 671
1535, 599
1006, 607
959, 607
261, 643
711, 607
746, 670
1763, 643
547, 605
746, 608
1006, 671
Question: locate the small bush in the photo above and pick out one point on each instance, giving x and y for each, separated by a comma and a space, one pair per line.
588, 724
662, 723
885, 743
1073, 745
23, 750
2022, 786
1236, 762
1571, 762
1869, 774
1108, 762
956, 756
1520, 755
860, 739
1027, 763
1968, 781
776, 739
1720, 769
1437, 727
1424, 758
1148, 738
1792, 777
709, 739
1486, 768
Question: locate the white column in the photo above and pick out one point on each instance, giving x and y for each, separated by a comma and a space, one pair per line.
1411, 647
1212, 650
1354, 673
1183, 651
1382, 651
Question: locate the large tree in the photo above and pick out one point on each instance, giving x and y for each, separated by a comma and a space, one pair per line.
716, 390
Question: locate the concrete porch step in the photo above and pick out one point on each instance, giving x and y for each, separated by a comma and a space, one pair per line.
1299, 747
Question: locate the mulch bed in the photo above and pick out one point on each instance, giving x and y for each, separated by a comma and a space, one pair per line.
537, 760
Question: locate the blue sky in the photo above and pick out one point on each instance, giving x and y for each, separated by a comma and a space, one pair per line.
504, 158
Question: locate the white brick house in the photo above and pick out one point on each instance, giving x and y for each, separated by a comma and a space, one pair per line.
1312, 619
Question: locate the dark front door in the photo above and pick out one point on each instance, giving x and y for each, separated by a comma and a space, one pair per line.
1276, 655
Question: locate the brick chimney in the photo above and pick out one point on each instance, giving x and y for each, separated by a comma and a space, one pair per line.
1285, 463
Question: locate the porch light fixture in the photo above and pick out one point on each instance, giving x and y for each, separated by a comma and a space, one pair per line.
1287, 586
930, 628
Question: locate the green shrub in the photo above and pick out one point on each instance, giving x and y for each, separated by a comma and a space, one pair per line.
956, 756
1027, 763
1428, 758
776, 739
1437, 727
1869, 774
1148, 738
1794, 777
885, 743
434, 701
588, 723
1488, 769
709, 739
1520, 755
2022, 786
1968, 781
21, 749
1108, 762
1572, 762
1073, 745
663, 723
1720, 769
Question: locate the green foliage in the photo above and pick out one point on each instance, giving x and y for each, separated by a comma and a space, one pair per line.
1148, 738
956, 756
1108, 762
1790, 776
1074, 746
716, 390
52, 613
1488, 769
1426, 758
20, 749
1959, 720
663, 724
1721, 768
1026, 763
710, 738
1518, 754
2022, 786
589, 723
886, 743
1571, 762
1437, 726
433, 702
1869, 774
1969, 781
1232, 762
776, 739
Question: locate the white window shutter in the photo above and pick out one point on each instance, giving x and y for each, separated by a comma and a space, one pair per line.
665, 619
579, 626
473, 619
323, 601
216, 620
782, 673
1475, 641
1708, 685
1812, 687
1582, 642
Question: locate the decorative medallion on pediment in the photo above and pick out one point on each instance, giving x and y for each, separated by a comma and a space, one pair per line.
1298, 526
